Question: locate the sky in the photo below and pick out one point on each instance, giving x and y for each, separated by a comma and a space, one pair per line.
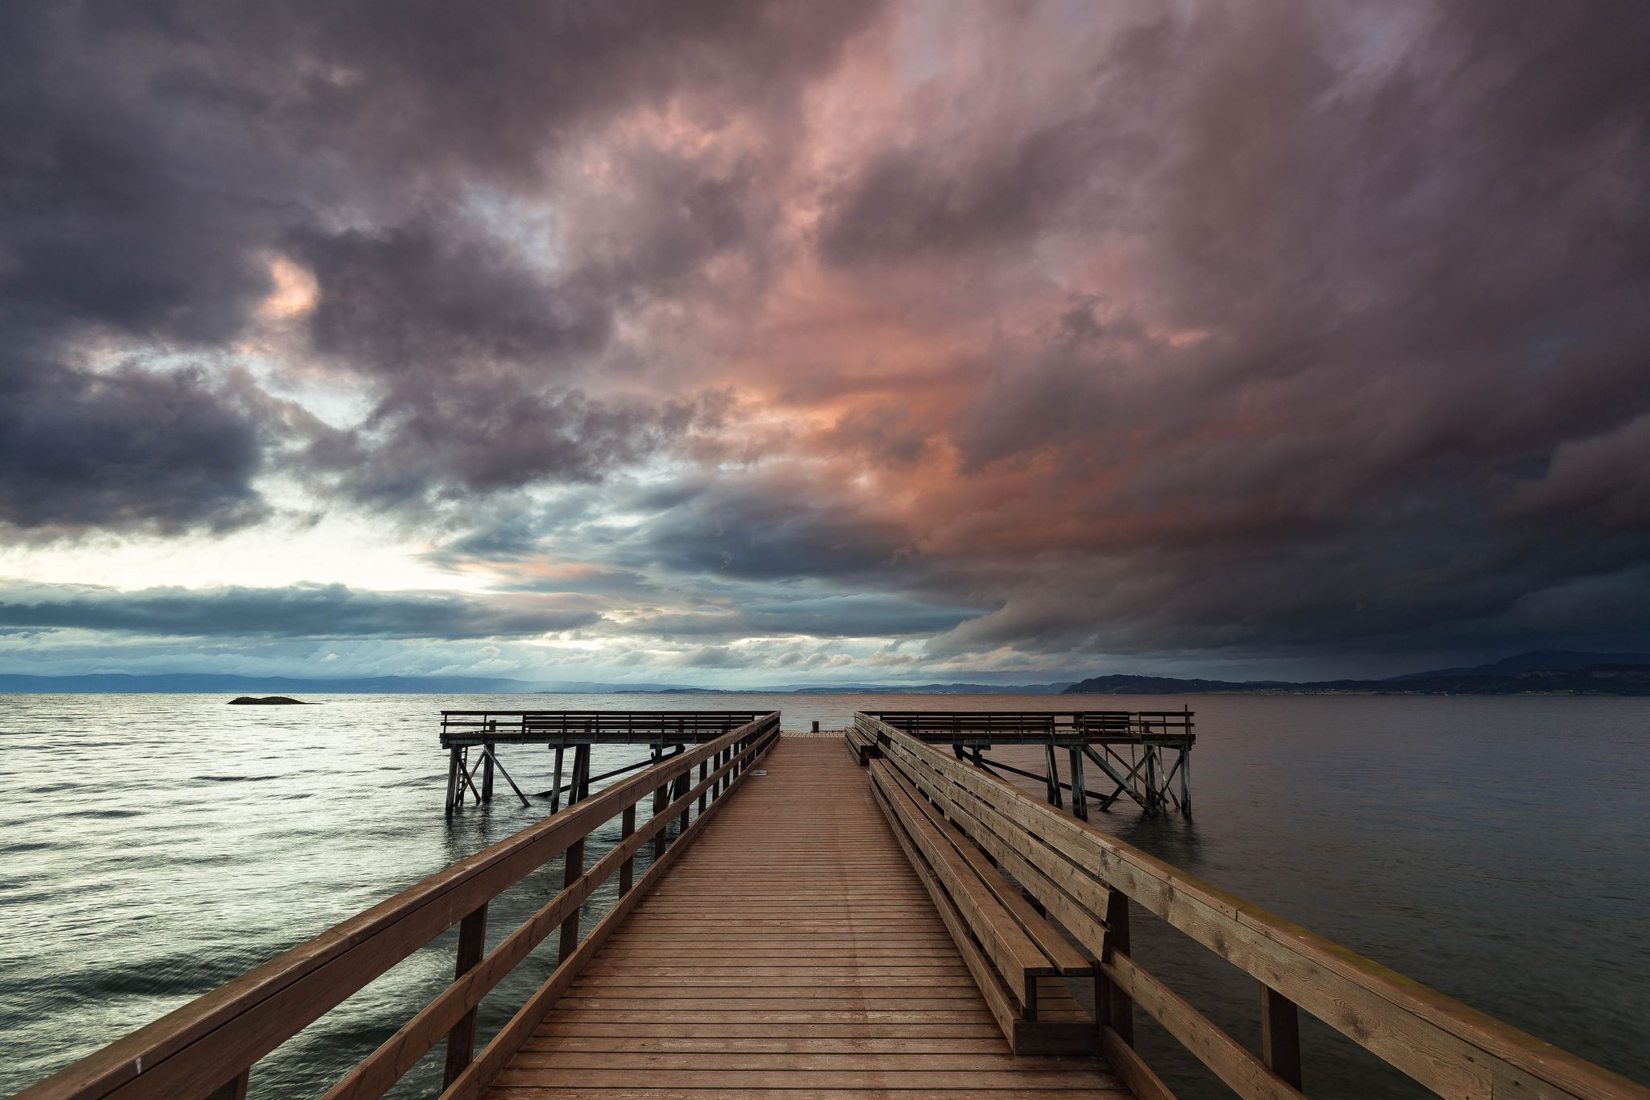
760, 343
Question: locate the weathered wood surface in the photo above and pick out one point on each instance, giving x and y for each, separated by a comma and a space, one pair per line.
1072, 868
461, 728
789, 952
1072, 728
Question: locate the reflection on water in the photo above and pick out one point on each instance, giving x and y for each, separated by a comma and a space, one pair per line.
155, 846
1171, 838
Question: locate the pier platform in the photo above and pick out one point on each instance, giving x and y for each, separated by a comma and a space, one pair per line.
790, 949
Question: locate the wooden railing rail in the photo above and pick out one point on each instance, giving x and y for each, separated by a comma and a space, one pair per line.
470, 727
935, 725
207, 1048
1088, 880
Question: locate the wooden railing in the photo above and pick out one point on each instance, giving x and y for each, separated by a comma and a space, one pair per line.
473, 727
1038, 726
1087, 881
208, 1047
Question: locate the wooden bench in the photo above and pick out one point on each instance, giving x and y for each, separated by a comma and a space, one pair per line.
861, 745
1021, 961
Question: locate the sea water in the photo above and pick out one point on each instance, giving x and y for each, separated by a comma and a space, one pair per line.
153, 847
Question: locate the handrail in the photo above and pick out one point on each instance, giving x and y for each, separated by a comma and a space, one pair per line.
207, 1047
1086, 879
474, 727
934, 725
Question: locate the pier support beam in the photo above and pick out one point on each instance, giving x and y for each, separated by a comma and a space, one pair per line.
1186, 781
581, 774
1053, 765
459, 779
555, 792
453, 788
494, 762
1079, 796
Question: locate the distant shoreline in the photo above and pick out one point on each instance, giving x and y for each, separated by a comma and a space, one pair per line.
1551, 673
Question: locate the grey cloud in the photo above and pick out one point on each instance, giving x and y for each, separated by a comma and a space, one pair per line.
881, 432
411, 299
756, 610
1598, 481
126, 449
771, 529
495, 434
159, 154
302, 611
1380, 372
915, 202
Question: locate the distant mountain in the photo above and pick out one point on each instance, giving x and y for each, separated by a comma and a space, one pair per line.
207, 683
1554, 673
1560, 660
1125, 684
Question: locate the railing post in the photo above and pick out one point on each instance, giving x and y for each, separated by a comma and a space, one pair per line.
627, 869
233, 1089
1280, 1035
704, 770
659, 837
572, 871
677, 791
472, 944
1118, 1010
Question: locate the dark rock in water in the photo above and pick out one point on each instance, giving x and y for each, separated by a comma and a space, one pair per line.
265, 701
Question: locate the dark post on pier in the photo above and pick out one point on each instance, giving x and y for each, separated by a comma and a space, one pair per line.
876, 911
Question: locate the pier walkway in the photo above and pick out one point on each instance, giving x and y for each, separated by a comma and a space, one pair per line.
789, 949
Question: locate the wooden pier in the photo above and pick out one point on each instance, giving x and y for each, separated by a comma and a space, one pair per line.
789, 949
1145, 755
816, 918
483, 732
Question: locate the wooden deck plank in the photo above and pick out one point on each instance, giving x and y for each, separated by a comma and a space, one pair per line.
790, 953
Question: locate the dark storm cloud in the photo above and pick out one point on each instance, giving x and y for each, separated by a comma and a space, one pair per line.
124, 449
106, 225
770, 529
410, 299
1311, 324
492, 434
1379, 371
925, 201
302, 611
159, 155
764, 611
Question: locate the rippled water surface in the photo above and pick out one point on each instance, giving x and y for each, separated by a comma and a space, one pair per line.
154, 846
